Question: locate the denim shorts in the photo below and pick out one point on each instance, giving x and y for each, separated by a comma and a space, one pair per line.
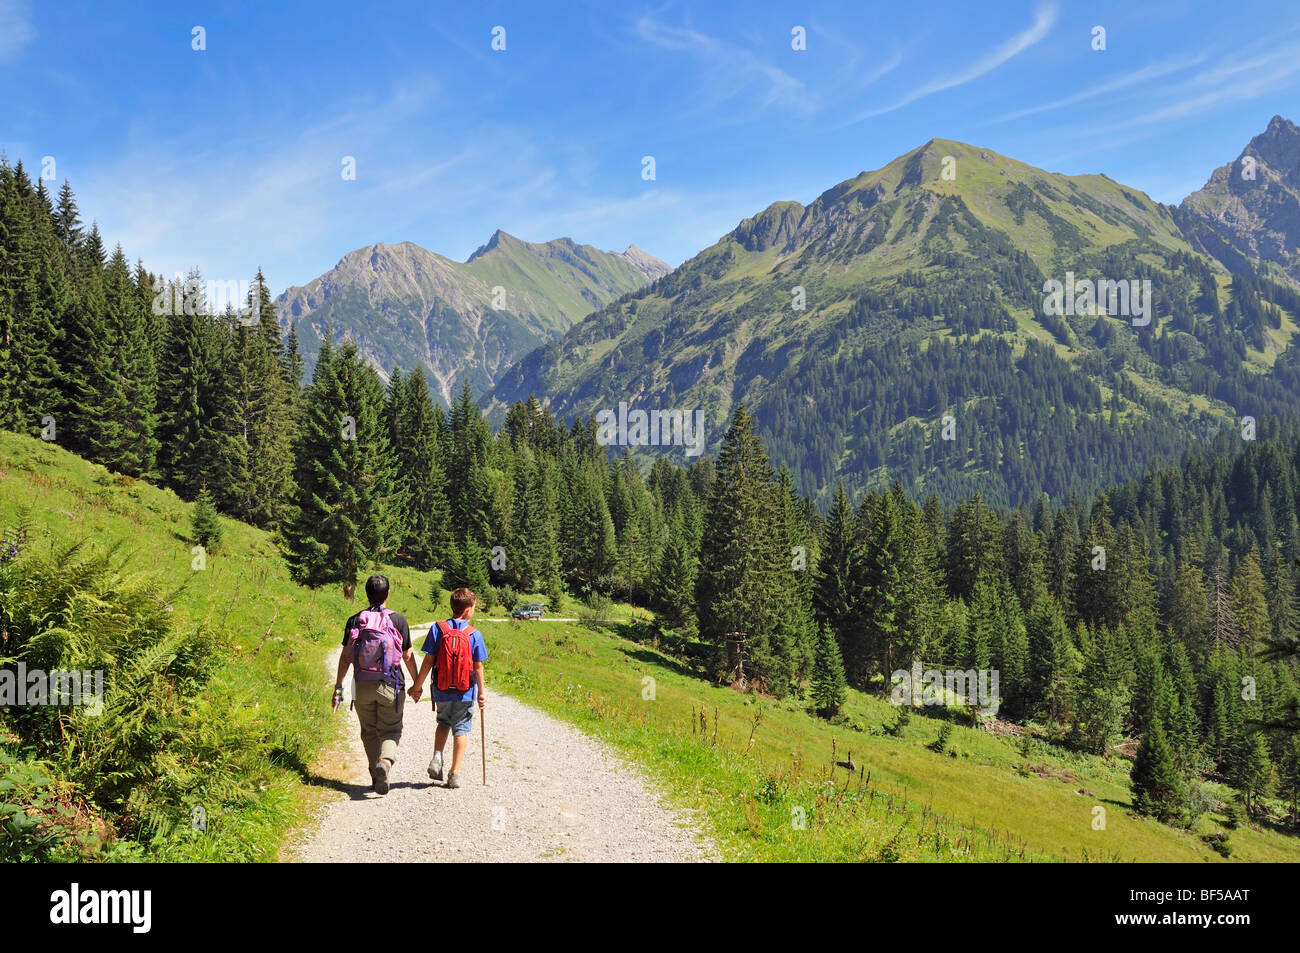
457, 715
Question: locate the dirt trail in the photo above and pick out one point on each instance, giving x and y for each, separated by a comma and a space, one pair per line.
553, 793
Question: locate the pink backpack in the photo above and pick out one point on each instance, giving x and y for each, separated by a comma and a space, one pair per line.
377, 648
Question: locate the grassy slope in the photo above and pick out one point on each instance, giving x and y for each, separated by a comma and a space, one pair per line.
245, 592
989, 803
557, 284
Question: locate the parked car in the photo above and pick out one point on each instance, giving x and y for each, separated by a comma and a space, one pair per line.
532, 610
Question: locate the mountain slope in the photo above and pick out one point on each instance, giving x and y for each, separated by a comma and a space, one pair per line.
408, 307
1250, 208
922, 286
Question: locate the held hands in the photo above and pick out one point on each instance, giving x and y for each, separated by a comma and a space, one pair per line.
415, 691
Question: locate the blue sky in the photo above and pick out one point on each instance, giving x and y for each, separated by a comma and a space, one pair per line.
230, 158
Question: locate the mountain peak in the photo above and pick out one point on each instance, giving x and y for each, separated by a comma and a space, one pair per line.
1282, 124
498, 237
1278, 147
646, 263
1250, 208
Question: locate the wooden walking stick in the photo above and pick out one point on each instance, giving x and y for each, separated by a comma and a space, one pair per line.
482, 727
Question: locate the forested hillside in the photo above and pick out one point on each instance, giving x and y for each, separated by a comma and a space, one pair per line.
897, 328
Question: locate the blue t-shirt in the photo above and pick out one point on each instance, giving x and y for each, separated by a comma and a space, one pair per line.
479, 648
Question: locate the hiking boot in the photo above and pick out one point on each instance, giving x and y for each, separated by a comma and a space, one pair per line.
453, 780
379, 776
435, 766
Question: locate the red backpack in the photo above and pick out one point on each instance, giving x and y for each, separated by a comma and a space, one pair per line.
454, 663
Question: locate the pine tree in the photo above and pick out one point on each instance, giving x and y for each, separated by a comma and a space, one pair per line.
828, 686
123, 439
468, 564
344, 478
744, 581
186, 399
835, 594
205, 526
426, 517
1249, 605
1103, 695
1158, 789
586, 531
1250, 770
1053, 661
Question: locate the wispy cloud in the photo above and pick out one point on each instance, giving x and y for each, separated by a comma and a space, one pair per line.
1135, 78
1044, 19
179, 206
731, 70
16, 29
1232, 81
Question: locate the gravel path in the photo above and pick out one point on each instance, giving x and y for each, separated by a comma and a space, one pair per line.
553, 793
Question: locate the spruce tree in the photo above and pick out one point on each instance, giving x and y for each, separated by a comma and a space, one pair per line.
1158, 789
186, 430
426, 529
673, 586
744, 581
1103, 698
1250, 770
344, 477
124, 436
205, 526
83, 351
34, 295
880, 583
468, 564
586, 531
835, 595
1053, 661
829, 686
1249, 605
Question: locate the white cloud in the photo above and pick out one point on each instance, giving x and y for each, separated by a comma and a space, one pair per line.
1134, 78
1044, 20
731, 70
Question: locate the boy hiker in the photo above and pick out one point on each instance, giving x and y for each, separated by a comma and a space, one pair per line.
377, 641
457, 651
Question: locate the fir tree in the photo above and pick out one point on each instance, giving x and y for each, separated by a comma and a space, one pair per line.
1158, 789
744, 579
205, 525
186, 432
835, 593
828, 686
426, 517
344, 479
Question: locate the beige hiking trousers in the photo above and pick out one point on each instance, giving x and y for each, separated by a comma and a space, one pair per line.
381, 720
